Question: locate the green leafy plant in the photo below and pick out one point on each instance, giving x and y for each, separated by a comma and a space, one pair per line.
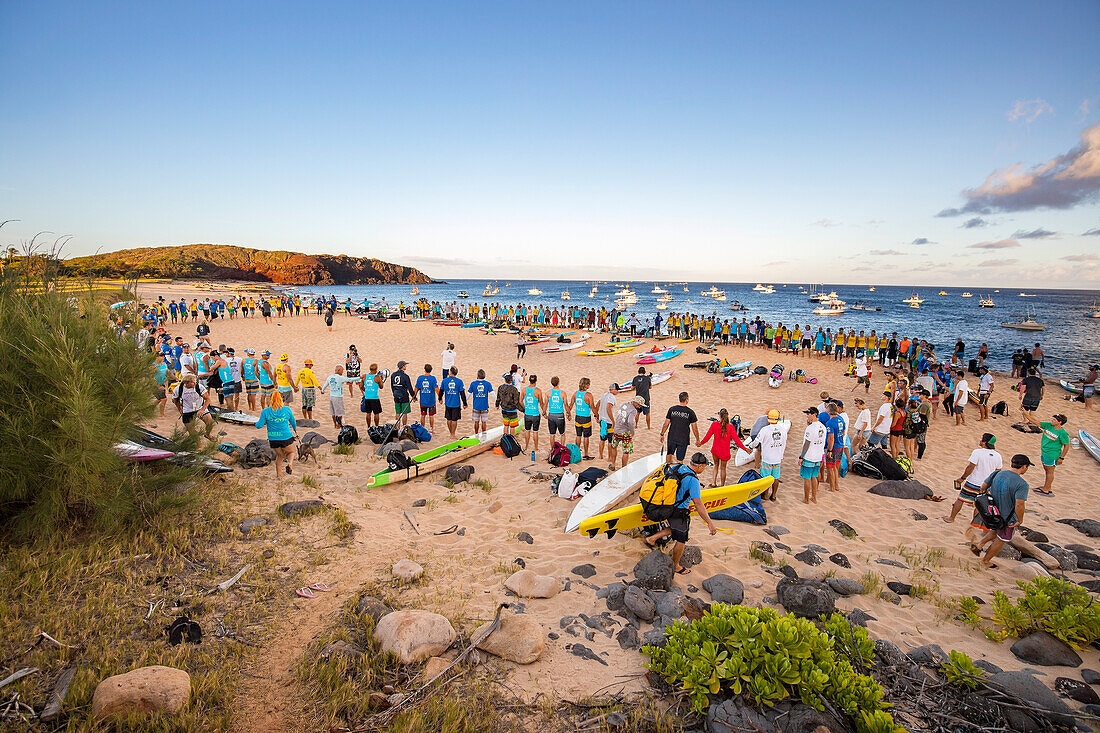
768, 657
344, 449
960, 670
1062, 608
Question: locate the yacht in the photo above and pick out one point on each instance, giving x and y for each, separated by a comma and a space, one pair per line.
759, 288
463, 294
713, 292
1026, 295
662, 306
490, 290
565, 295
769, 290
830, 307
967, 294
986, 302
1093, 312
914, 298
815, 295
414, 291
658, 289
1027, 322
534, 291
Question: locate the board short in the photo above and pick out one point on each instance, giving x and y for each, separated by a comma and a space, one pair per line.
809, 469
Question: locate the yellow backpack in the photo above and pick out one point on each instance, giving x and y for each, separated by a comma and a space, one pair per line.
660, 492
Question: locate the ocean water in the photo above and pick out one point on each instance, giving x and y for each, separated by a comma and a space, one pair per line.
1071, 340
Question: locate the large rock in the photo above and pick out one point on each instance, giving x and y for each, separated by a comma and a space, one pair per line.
519, 639
407, 570
615, 593
414, 635
1029, 689
840, 559
670, 605
807, 598
301, 508
1028, 570
654, 571
154, 689
691, 556
845, 586
585, 571
373, 607
529, 584
911, 489
843, 527
732, 716
1046, 650
929, 654
776, 531
1077, 690
809, 557
639, 603
459, 474
1085, 526
1086, 560
1066, 560
724, 589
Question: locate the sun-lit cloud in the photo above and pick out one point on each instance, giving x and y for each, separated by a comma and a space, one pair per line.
997, 263
1029, 110
974, 223
774, 263
1060, 183
825, 223
1038, 233
884, 252
1082, 258
922, 240
1000, 244
1092, 233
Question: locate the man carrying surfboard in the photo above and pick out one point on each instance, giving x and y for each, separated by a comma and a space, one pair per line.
679, 524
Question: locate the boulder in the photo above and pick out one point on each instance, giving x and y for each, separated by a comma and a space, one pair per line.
809, 557
1076, 690
889, 652
817, 548
902, 589
929, 654
628, 638
654, 637
654, 571
845, 586
301, 508
776, 531
373, 607
670, 605
987, 666
529, 584
340, 648
891, 563
1066, 560
1010, 553
1091, 676
153, 689
840, 559
761, 547
806, 598
1033, 535
413, 635
1028, 570
859, 617
520, 638
615, 592
251, 523
1030, 549
1089, 527
407, 570
695, 608
1086, 560
1046, 650
843, 527
639, 604
917, 516
691, 556
459, 474
585, 571
890, 597
910, 489
724, 589
733, 716
1029, 689
434, 665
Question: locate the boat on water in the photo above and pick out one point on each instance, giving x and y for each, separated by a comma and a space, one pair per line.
871, 289
666, 298
986, 302
914, 298
662, 306
534, 291
769, 290
463, 294
830, 307
490, 290
915, 303
1026, 295
858, 306
967, 294
658, 290
942, 292
736, 306
1027, 322
759, 288
1093, 312
721, 298
565, 295
414, 291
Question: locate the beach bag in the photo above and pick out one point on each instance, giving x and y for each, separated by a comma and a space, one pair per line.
860, 467
701, 350
575, 455
890, 469
348, 435
509, 446
257, 454
987, 509
567, 485
850, 371
1001, 408
906, 464
559, 455
589, 477
398, 461
419, 433
760, 370
972, 367
379, 434
660, 492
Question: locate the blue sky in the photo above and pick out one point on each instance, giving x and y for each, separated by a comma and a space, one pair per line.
789, 142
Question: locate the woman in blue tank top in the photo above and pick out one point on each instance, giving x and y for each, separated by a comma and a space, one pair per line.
532, 411
581, 404
372, 402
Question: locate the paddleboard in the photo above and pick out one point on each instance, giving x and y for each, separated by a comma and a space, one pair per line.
132, 451
479, 324
149, 439
685, 341
1069, 387
437, 458
606, 351
239, 418
654, 381
617, 485
632, 517
660, 356
1089, 443
565, 347
736, 376
447, 323
738, 367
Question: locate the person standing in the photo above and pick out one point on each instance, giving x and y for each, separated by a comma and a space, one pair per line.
480, 389
282, 429
583, 407
1088, 385
448, 357
237, 377
770, 443
622, 435
555, 410
722, 432
534, 405
688, 494
307, 380
426, 386
835, 430
680, 421
284, 380
983, 461
453, 393
642, 384
985, 388
353, 367
334, 385
607, 415
250, 374
402, 388
813, 451
1009, 490
1031, 392
509, 402
372, 398
1054, 446
960, 396
863, 374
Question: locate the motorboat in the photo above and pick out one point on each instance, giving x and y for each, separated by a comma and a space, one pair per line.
1027, 322
915, 303
565, 295
658, 290
685, 288
942, 292
1094, 312
967, 294
1026, 295
721, 297
914, 298
829, 309
534, 291
736, 306
463, 294
857, 306
666, 298
490, 290
986, 302
414, 291
662, 306
871, 289
759, 288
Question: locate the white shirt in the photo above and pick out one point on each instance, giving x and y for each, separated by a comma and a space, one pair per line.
985, 384
187, 363
772, 441
815, 436
448, 360
885, 412
861, 366
191, 398
605, 401
234, 363
863, 422
986, 461
962, 392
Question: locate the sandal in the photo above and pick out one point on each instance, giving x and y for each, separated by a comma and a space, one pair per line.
1037, 490
305, 592
974, 549
319, 586
683, 571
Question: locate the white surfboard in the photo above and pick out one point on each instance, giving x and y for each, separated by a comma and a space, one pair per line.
603, 495
566, 347
1089, 443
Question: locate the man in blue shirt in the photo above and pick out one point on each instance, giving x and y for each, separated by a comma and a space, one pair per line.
1009, 491
834, 445
426, 386
480, 389
453, 392
688, 494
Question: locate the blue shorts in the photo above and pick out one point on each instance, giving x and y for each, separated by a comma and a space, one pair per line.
810, 469
769, 469
1053, 462
605, 430
878, 439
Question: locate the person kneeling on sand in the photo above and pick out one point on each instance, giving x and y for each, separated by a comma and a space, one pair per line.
688, 494
1009, 490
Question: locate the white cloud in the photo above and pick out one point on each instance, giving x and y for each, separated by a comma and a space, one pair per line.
1029, 110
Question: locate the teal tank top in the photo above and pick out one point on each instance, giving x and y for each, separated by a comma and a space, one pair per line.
556, 405
265, 380
530, 402
249, 370
226, 374
582, 409
370, 388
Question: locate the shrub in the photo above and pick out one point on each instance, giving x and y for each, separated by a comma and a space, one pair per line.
960, 670
769, 657
1057, 606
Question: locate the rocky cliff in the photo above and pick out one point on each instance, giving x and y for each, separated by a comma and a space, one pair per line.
227, 262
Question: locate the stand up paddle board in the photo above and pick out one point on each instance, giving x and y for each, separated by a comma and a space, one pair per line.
149, 439
1089, 443
437, 458
653, 382
660, 356
238, 418
565, 347
607, 492
132, 451
1069, 387
632, 517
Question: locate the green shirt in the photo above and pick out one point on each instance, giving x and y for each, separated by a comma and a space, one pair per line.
1053, 440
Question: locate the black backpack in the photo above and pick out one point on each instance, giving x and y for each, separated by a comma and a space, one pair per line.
509, 445
348, 435
184, 629
257, 454
379, 434
398, 461
1001, 408
987, 509
890, 469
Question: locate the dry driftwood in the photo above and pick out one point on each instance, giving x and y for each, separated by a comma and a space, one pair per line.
227, 584
17, 675
58, 694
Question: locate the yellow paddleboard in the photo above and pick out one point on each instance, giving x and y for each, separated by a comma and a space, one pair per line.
632, 517
605, 352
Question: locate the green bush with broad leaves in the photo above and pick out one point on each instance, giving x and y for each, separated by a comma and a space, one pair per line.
1060, 607
960, 670
768, 657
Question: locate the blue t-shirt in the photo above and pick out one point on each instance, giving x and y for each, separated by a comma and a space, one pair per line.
177, 351
280, 423
426, 385
1007, 488
689, 488
835, 428
480, 389
452, 391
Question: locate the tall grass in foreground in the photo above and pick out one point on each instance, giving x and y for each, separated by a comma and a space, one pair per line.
70, 389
